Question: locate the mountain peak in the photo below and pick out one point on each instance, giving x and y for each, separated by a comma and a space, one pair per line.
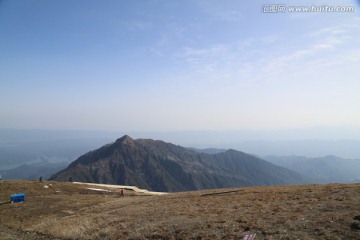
125, 139
160, 166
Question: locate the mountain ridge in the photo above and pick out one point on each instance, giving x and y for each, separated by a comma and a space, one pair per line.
160, 166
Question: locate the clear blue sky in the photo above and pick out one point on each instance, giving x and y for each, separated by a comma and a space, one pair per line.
162, 65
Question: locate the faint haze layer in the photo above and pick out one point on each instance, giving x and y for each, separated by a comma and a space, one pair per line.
34, 145
148, 66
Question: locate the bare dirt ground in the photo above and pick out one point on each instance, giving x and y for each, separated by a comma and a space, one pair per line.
70, 211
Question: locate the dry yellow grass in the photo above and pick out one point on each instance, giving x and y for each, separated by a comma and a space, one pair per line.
69, 211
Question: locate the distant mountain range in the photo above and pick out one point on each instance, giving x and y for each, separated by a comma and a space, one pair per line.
37, 147
328, 169
21, 146
33, 171
160, 166
308, 148
26, 154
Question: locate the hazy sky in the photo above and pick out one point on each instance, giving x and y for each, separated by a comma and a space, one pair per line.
161, 65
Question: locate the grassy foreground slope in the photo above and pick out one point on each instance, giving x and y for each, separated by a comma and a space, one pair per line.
70, 211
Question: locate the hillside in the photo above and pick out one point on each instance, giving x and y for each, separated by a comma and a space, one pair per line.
74, 212
160, 166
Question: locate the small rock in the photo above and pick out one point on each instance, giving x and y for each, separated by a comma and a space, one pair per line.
357, 217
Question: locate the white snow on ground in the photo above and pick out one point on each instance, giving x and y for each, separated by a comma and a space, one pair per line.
133, 188
98, 189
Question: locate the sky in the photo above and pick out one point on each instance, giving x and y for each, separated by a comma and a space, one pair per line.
189, 65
